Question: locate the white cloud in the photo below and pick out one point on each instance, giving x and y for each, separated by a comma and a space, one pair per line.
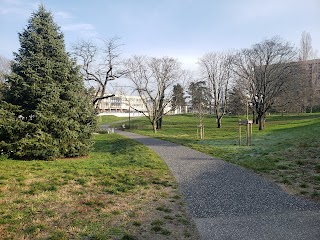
16, 7
251, 10
14, 2
4, 11
63, 15
79, 30
10, 10
78, 27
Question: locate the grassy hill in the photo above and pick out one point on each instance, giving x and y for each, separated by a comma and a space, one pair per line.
122, 190
287, 151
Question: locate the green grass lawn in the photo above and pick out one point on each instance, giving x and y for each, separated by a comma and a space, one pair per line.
124, 191
121, 191
109, 118
287, 151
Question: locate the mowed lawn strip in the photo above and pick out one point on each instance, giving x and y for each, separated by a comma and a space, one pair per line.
121, 191
287, 151
104, 119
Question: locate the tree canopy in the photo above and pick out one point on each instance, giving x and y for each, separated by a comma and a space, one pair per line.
45, 113
152, 78
265, 69
178, 98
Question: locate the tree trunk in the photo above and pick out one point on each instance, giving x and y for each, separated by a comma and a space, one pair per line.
257, 119
261, 120
159, 123
154, 126
218, 122
218, 116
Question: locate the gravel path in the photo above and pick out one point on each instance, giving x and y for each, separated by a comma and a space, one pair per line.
228, 202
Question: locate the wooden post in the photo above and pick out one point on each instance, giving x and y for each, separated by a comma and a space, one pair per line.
203, 131
248, 124
197, 131
200, 131
251, 133
239, 132
247, 133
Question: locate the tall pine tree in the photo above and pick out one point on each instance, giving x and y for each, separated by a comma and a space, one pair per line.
45, 113
178, 99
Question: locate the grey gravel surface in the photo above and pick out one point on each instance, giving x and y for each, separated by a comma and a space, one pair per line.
228, 202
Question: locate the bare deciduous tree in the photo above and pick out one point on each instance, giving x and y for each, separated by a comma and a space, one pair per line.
265, 69
306, 53
99, 66
306, 50
200, 98
152, 79
216, 70
4, 68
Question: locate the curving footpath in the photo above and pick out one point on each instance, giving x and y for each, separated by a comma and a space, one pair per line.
228, 202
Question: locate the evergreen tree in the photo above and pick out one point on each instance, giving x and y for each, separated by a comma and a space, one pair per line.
178, 99
47, 113
200, 96
237, 101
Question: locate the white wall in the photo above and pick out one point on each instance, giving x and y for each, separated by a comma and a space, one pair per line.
135, 114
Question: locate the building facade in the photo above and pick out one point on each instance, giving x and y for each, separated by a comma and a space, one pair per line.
122, 104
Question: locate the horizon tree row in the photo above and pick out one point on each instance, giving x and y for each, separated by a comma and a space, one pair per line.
268, 76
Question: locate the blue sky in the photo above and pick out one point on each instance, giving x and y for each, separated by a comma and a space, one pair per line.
184, 29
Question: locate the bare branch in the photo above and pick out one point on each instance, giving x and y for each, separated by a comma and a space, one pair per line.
265, 68
4, 68
152, 78
104, 97
99, 68
215, 68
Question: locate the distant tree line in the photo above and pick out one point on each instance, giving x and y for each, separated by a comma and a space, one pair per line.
269, 76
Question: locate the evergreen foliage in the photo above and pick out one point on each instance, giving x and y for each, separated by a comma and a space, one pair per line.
178, 98
200, 96
237, 101
45, 112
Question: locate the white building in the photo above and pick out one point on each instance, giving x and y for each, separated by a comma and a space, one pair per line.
121, 104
